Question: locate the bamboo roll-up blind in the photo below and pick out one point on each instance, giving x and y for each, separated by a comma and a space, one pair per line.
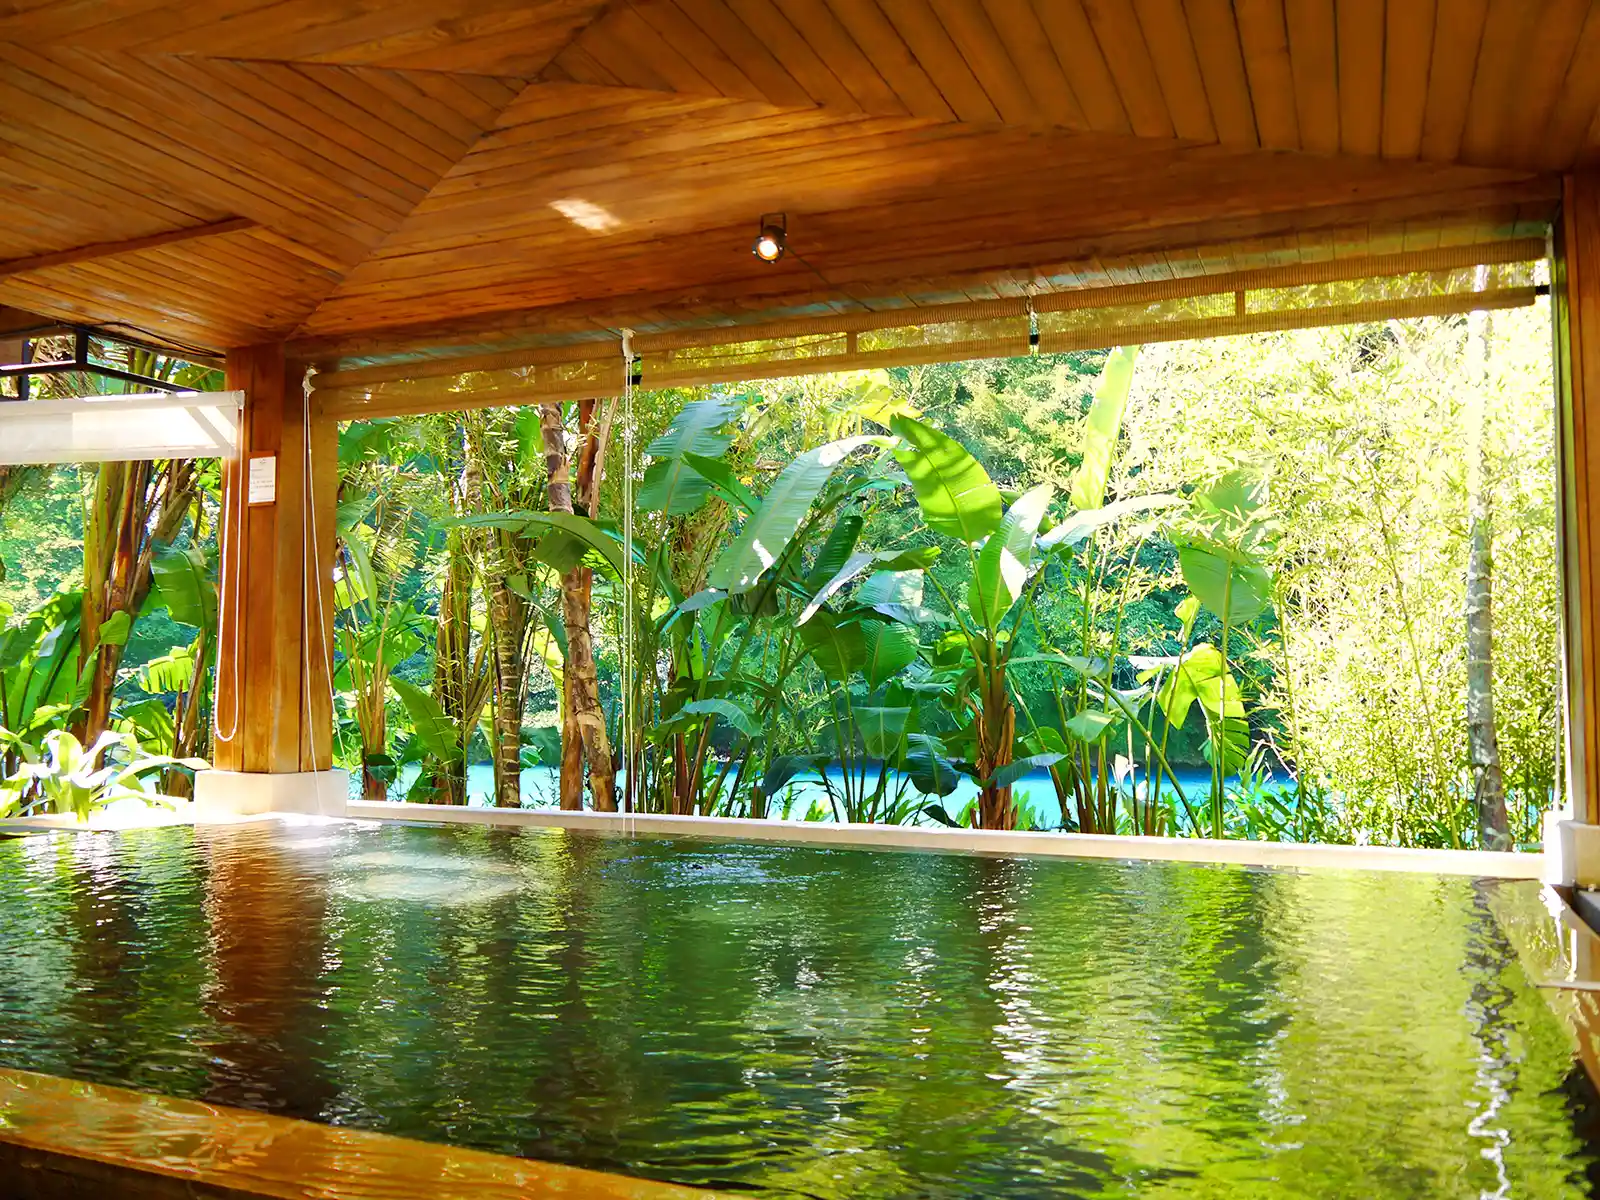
1335, 292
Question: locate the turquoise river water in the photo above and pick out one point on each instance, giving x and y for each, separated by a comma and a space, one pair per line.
807, 1022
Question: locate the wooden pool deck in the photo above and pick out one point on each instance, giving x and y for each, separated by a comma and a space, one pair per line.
65, 1138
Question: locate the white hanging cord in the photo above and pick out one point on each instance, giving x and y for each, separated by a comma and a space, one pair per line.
629, 674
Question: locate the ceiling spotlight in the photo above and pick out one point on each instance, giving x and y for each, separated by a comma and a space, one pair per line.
769, 243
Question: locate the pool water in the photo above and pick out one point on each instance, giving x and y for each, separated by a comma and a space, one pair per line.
807, 1022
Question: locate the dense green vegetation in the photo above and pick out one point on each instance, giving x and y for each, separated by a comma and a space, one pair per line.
1236, 588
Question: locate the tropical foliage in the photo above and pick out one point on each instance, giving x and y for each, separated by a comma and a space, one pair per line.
1213, 589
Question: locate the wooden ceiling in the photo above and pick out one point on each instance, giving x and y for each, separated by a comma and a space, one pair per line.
405, 173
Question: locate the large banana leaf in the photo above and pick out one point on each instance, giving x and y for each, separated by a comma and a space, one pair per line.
181, 583
1077, 528
432, 727
882, 729
931, 772
1227, 579
167, 673
1103, 428
766, 533
1090, 725
672, 485
697, 429
360, 582
1018, 767
836, 551
1202, 677
783, 769
894, 586
897, 562
583, 529
724, 482
1230, 736
39, 679
1239, 496
730, 712
1002, 568
956, 495
839, 647
891, 648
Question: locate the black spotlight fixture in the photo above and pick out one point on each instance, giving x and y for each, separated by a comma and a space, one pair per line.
771, 242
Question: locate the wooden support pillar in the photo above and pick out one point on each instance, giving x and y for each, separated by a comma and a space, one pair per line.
273, 703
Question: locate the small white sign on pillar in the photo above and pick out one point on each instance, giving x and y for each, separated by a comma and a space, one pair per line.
262, 485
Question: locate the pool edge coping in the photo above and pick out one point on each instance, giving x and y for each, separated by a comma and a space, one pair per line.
1482, 864
1559, 953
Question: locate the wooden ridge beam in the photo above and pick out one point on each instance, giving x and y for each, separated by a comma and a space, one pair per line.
97, 250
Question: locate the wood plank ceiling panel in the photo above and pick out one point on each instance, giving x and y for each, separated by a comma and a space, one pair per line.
1313, 49
535, 217
1507, 35
1555, 41
1578, 100
1361, 71
1215, 34
1457, 39
1264, 39
99, 147
1172, 50
395, 181
493, 37
1407, 61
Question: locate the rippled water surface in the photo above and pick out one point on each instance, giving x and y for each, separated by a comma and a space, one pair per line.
806, 1022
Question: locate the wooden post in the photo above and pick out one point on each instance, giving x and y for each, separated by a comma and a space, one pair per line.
273, 710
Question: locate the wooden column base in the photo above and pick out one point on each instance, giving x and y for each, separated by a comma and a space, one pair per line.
222, 795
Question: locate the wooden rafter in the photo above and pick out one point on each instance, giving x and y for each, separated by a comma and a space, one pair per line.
82, 254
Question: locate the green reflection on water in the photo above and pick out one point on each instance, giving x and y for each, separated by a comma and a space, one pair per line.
805, 1022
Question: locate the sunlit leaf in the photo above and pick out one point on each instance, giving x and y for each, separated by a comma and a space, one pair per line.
1002, 567
1102, 429
954, 491
766, 533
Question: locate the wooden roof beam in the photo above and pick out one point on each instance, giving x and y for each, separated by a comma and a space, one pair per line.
79, 254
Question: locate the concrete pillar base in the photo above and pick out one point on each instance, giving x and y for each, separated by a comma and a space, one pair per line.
221, 795
1571, 851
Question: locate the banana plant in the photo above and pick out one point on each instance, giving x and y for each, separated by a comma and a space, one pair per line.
760, 588
959, 500
64, 776
184, 583
41, 686
1222, 544
377, 628
1009, 548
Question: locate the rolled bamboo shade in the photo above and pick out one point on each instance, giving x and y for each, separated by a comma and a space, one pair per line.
1337, 292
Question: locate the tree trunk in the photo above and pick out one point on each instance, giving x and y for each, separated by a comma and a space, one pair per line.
583, 726
502, 556
1483, 742
508, 619
452, 666
997, 725
682, 781
131, 510
186, 724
